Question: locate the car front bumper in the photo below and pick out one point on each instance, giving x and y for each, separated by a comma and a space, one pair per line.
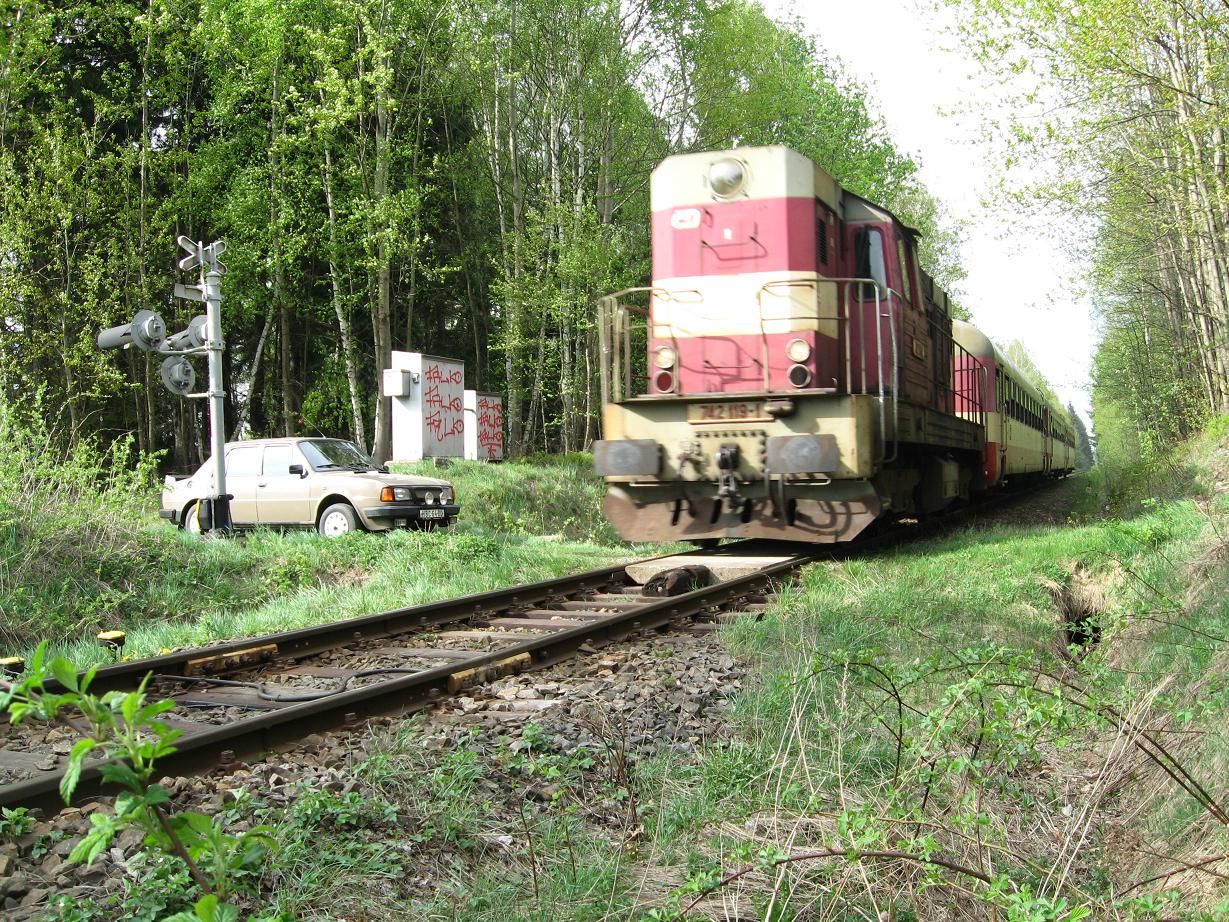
387, 514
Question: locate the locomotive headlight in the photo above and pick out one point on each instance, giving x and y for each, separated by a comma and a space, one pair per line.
727, 177
799, 375
798, 350
666, 357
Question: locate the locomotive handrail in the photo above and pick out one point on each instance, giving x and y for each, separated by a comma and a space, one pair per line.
718, 247
759, 303
614, 335
884, 298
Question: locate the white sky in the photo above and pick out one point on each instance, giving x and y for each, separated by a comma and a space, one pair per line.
1020, 285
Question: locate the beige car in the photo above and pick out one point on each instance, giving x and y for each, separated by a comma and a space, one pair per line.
327, 484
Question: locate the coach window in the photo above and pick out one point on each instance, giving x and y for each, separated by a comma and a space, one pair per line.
868, 246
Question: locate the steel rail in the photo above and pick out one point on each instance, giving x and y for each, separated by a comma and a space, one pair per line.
320, 638
257, 735
279, 728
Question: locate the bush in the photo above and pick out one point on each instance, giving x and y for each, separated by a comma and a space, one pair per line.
70, 526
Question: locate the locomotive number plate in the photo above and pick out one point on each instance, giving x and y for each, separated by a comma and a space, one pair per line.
747, 411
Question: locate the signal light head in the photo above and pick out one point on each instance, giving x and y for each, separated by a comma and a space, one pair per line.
665, 357
664, 382
178, 375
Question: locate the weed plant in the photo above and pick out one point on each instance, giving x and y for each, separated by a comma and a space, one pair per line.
71, 523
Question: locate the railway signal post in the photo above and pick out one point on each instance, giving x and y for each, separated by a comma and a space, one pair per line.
209, 290
147, 331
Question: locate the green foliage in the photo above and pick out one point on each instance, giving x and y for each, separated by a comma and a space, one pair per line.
459, 179
124, 732
1116, 110
343, 811
14, 822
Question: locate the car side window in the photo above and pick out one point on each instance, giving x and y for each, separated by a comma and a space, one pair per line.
278, 459
243, 462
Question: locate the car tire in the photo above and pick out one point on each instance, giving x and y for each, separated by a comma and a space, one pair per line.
337, 519
191, 520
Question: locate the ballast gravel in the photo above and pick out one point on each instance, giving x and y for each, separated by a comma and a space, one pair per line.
660, 693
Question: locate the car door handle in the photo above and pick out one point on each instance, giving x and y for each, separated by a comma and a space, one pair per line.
262, 483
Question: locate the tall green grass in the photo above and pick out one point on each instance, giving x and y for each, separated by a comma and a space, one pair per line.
72, 531
82, 550
557, 495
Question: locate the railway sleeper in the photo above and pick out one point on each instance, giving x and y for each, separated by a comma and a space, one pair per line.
477, 676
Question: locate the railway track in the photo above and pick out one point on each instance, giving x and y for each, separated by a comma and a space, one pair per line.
241, 699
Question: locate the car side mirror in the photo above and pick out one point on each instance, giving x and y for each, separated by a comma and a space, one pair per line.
298, 469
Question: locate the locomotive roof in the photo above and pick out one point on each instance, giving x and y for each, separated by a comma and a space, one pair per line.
775, 170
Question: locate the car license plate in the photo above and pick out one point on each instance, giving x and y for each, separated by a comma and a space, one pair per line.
431, 513
745, 411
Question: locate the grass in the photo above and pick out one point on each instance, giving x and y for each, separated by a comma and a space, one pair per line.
81, 550
918, 702
304, 579
921, 701
545, 495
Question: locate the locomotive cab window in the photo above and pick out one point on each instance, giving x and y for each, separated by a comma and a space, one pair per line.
868, 250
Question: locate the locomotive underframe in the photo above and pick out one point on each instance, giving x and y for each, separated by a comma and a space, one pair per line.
676, 472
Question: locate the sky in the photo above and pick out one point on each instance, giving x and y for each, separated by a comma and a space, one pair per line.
1021, 285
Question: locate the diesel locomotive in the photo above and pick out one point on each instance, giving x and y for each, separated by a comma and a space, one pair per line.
793, 373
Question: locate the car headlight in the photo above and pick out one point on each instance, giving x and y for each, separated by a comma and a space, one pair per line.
428, 497
446, 496
396, 494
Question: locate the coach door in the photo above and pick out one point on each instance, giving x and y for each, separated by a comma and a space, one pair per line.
1047, 461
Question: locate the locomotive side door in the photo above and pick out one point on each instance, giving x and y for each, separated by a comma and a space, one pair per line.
916, 348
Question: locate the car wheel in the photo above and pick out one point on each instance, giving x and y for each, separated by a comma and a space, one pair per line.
191, 519
338, 519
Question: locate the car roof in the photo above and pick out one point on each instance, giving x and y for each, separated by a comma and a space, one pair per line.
286, 440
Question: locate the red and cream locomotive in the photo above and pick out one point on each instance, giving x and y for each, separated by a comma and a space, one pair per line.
802, 376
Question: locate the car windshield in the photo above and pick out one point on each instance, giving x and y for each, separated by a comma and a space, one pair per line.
334, 454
